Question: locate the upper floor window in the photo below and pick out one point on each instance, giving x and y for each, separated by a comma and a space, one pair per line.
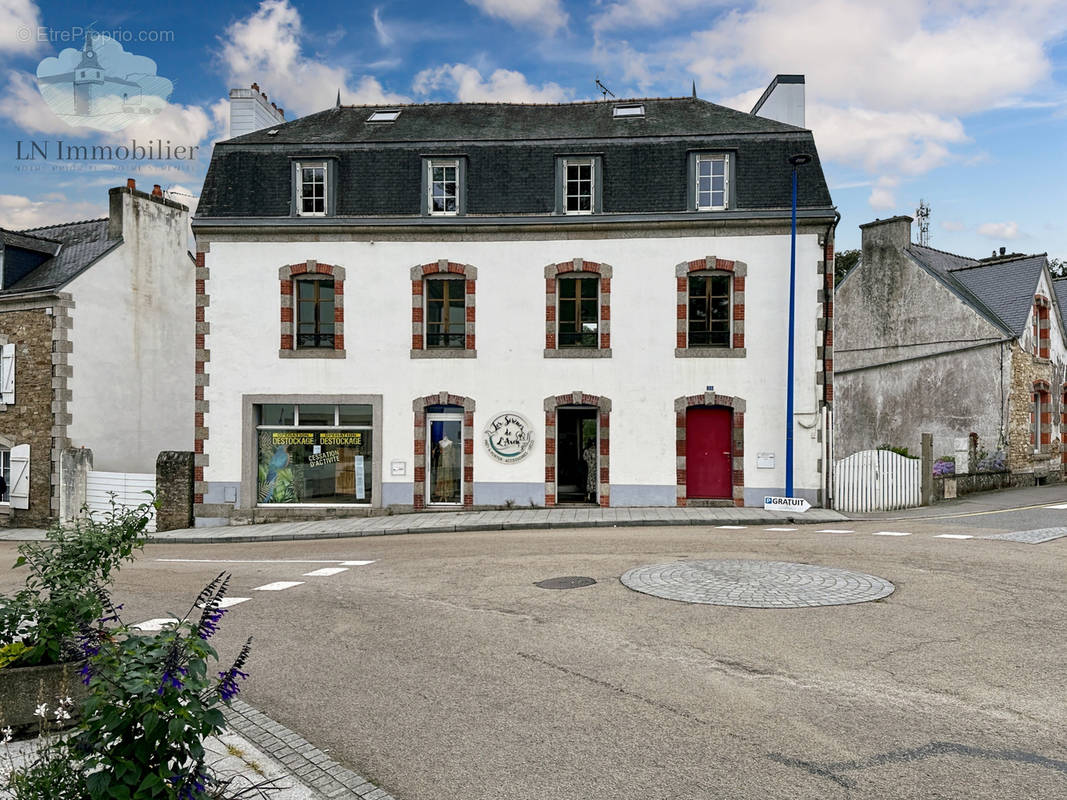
578, 310
314, 312
442, 310
578, 186
712, 182
1041, 326
443, 186
446, 312
311, 188
709, 310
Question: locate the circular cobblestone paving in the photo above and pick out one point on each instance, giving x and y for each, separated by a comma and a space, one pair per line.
756, 584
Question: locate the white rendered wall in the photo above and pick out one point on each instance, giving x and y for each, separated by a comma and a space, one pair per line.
510, 373
132, 335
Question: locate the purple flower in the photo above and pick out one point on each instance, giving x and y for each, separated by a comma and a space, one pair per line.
228, 685
209, 623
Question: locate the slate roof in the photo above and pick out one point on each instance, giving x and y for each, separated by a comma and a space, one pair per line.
1059, 286
511, 151
80, 244
1001, 290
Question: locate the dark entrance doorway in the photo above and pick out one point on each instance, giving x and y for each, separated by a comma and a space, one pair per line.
577, 462
708, 454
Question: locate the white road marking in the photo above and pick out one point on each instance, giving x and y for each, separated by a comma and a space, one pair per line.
155, 624
277, 586
891, 533
1060, 506
355, 563
779, 529
833, 530
226, 602
953, 536
731, 527
325, 573
236, 561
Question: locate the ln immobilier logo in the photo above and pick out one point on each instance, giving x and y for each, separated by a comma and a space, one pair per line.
102, 85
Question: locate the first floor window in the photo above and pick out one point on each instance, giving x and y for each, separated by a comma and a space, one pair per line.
711, 182
314, 313
579, 312
314, 453
312, 189
709, 311
444, 187
446, 313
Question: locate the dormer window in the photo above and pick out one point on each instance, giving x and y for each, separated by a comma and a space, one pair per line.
712, 182
443, 180
578, 184
311, 187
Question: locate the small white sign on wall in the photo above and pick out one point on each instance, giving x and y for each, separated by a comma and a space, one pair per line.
764, 460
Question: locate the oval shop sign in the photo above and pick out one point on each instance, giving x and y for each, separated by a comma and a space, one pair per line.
508, 437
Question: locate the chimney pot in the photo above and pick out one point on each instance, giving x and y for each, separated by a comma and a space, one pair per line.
131, 183
157, 191
282, 112
1003, 250
255, 86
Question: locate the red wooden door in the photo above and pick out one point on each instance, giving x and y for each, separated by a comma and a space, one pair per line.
708, 455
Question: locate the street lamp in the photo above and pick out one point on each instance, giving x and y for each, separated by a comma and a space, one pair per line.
798, 160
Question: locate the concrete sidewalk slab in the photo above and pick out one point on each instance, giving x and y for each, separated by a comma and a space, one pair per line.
978, 503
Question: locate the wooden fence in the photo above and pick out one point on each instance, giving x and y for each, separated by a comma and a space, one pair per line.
877, 480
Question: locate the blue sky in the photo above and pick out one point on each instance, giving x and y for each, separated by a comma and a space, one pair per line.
963, 104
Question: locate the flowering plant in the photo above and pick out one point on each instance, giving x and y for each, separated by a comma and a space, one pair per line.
152, 702
66, 588
945, 465
992, 462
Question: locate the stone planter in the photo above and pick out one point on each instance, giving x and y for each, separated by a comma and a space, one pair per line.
22, 689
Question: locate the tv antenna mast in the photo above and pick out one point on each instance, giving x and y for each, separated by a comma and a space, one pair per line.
604, 89
922, 214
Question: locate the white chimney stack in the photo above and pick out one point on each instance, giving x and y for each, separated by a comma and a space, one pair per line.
783, 101
251, 110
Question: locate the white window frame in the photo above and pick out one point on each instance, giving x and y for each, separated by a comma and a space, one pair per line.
711, 158
579, 162
300, 167
431, 164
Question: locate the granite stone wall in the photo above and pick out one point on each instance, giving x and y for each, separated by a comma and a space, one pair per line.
174, 490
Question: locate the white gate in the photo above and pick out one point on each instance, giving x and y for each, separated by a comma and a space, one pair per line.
877, 480
128, 489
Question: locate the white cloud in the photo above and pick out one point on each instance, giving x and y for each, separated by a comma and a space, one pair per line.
882, 196
953, 226
22, 104
643, 13
181, 125
504, 85
999, 230
21, 22
18, 212
384, 38
266, 48
545, 15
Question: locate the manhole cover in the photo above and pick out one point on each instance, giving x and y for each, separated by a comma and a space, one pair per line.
569, 582
756, 584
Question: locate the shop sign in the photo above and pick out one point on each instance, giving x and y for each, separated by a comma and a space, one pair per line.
322, 438
508, 437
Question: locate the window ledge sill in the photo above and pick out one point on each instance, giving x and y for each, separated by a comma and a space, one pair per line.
709, 352
579, 352
312, 353
444, 353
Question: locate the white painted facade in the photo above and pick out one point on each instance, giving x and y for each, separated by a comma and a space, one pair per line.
642, 378
132, 340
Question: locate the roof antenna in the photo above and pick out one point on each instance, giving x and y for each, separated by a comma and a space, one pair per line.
694, 90
922, 214
338, 104
604, 89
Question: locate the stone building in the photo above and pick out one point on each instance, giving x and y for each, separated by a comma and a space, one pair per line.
487, 304
932, 342
96, 336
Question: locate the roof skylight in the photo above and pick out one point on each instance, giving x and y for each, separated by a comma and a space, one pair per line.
634, 110
384, 116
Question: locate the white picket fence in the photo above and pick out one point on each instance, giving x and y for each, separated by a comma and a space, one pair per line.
128, 489
877, 480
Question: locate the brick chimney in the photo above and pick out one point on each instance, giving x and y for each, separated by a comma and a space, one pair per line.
157, 191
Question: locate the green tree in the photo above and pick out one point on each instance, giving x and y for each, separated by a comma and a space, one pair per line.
1058, 267
843, 262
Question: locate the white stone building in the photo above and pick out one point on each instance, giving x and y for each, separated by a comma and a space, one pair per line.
470, 305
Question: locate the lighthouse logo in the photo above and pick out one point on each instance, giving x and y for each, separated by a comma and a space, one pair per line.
101, 85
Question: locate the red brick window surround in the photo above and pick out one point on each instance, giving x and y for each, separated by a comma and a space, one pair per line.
420, 406
1063, 426
575, 270
603, 406
288, 278
737, 435
707, 266
1041, 417
462, 277
1041, 326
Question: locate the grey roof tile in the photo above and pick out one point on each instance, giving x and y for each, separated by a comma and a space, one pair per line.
82, 243
1007, 287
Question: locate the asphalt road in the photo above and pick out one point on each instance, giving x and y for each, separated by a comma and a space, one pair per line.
441, 671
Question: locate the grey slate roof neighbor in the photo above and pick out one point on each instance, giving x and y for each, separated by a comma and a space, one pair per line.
1002, 290
510, 153
80, 244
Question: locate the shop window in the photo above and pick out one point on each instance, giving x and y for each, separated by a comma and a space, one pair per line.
443, 310
711, 308
314, 453
312, 310
578, 310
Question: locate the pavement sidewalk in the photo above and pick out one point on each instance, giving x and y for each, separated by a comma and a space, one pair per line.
979, 503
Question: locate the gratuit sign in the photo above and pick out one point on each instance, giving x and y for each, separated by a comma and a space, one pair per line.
508, 437
798, 504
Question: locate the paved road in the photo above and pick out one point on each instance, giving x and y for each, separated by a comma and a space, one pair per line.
440, 670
